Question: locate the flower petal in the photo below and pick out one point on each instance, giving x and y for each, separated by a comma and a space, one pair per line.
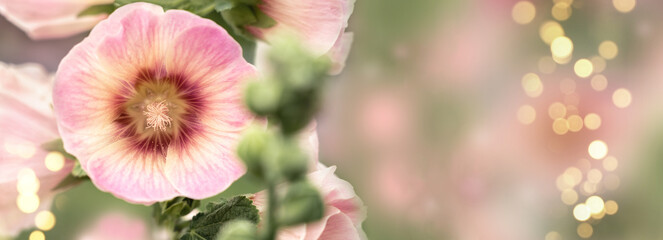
51, 19
135, 176
205, 166
317, 23
339, 52
339, 226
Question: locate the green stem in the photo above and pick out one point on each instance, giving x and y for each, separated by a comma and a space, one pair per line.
270, 221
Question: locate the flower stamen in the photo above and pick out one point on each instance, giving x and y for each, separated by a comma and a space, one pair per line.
157, 116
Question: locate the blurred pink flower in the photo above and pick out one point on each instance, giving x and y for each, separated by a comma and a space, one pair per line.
150, 104
319, 24
26, 122
344, 211
116, 226
42, 19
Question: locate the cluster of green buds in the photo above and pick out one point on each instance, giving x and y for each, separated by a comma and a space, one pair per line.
288, 99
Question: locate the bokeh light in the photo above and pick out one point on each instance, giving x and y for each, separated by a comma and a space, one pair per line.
610, 163
569, 196
526, 114
585, 230
523, 12
556, 110
37, 235
599, 82
532, 85
54, 161
581, 212
583, 68
27, 203
608, 49
597, 149
561, 47
592, 121
595, 204
611, 207
549, 31
561, 11
45, 220
622, 98
624, 6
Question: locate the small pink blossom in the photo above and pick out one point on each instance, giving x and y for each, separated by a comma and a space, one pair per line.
344, 212
319, 24
116, 226
43, 19
26, 122
150, 104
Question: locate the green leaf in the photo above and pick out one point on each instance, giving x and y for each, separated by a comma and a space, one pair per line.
167, 213
57, 146
222, 5
97, 9
77, 171
206, 225
247, 42
70, 181
263, 21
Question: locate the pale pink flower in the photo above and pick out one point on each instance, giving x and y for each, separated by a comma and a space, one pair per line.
344, 212
43, 19
116, 226
150, 104
26, 122
319, 24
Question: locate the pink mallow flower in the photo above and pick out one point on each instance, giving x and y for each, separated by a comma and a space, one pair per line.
344, 212
43, 19
26, 122
319, 24
150, 104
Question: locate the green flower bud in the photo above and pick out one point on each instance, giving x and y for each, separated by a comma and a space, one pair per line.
263, 97
292, 161
302, 204
251, 149
238, 230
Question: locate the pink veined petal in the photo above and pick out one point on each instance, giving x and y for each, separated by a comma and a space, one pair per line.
219, 70
209, 63
206, 166
128, 41
129, 174
315, 229
317, 23
339, 226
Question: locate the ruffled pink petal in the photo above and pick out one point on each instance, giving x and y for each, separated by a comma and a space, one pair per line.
339, 226
339, 52
317, 23
308, 142
43, 19
338, 193
131, 175
206, 166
